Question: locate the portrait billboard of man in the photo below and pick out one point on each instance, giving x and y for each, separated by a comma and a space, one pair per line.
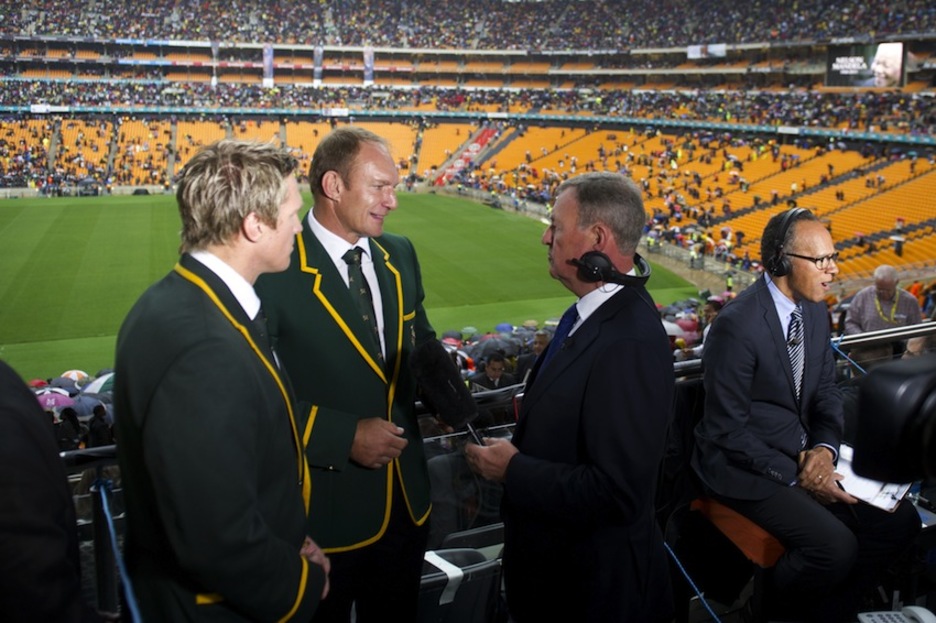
878, 65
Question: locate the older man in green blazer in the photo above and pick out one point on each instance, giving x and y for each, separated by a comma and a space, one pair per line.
344, 323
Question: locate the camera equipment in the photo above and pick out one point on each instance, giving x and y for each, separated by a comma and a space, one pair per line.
896, 432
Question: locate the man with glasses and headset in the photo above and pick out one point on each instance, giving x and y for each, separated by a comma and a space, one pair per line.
881, 305
769, 439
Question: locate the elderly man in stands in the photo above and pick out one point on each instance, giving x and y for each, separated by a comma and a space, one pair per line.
881, 305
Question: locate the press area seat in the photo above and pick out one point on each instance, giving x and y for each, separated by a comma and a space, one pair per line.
720, 549
459, 585
757, 545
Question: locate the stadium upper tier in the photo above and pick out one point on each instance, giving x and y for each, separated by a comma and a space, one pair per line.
482, 24
875, 111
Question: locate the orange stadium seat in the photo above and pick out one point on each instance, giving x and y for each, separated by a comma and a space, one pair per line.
439, 142
190, 135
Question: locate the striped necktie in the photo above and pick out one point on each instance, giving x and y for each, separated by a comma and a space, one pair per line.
796, 348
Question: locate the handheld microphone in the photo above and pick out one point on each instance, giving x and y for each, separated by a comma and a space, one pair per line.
441, 387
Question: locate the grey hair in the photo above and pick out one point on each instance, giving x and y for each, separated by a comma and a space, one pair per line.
611, 199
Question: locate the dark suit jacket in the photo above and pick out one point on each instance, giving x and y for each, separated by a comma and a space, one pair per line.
753, 428
581, 540
211, 460
331, 359
40, 578
524, 365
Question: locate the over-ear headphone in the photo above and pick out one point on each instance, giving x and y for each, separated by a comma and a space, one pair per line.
778, 264
595, 266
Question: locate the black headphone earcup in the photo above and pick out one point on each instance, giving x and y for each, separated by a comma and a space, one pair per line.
779, 265
595, 266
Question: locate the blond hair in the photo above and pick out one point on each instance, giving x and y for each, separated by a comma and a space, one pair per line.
226, 181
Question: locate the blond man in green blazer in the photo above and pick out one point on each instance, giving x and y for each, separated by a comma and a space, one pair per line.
210, 450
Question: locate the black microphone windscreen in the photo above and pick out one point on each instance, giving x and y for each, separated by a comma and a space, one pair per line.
440, 385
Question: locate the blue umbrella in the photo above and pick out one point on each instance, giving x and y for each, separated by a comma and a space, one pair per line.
84, 405
66, 383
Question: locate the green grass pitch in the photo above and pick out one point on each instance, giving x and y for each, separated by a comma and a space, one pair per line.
72, 268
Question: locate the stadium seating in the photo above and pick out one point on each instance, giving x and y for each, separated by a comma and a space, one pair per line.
82, 148
141, 152
430, 61
439, 142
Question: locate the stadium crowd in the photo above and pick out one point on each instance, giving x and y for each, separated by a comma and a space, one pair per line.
484, 24
855, 111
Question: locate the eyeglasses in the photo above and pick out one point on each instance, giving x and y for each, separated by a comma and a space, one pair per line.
822, 263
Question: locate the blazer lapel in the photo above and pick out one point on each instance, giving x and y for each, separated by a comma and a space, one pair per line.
570, 351
391, 297
777, 336
215, 289
332, 292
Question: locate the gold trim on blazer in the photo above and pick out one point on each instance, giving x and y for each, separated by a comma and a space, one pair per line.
297, 441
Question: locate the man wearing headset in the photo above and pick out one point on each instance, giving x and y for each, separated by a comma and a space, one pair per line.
769, 439
581, 542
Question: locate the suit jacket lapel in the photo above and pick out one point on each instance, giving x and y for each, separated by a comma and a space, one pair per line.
332, 292
215, 289
812, 334
391, 297
777, 336
222, 292
572, 349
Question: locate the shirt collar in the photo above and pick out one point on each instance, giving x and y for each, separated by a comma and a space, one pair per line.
239, 287
335, 245
588, 304
782, 303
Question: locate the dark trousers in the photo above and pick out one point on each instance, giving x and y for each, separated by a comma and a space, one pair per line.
381, 579
833, 553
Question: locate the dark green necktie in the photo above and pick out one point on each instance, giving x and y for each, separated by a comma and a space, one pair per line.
260, 324
361, 293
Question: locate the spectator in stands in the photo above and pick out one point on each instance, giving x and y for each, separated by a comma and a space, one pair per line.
753, 452
929, 301
525, 362
709, 312
881, 305
40, 575
210, 450
594, 26
347, 353
99, 430
581, 542
494, 374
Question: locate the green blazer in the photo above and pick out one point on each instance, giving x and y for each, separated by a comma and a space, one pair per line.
329, 354
211, 460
